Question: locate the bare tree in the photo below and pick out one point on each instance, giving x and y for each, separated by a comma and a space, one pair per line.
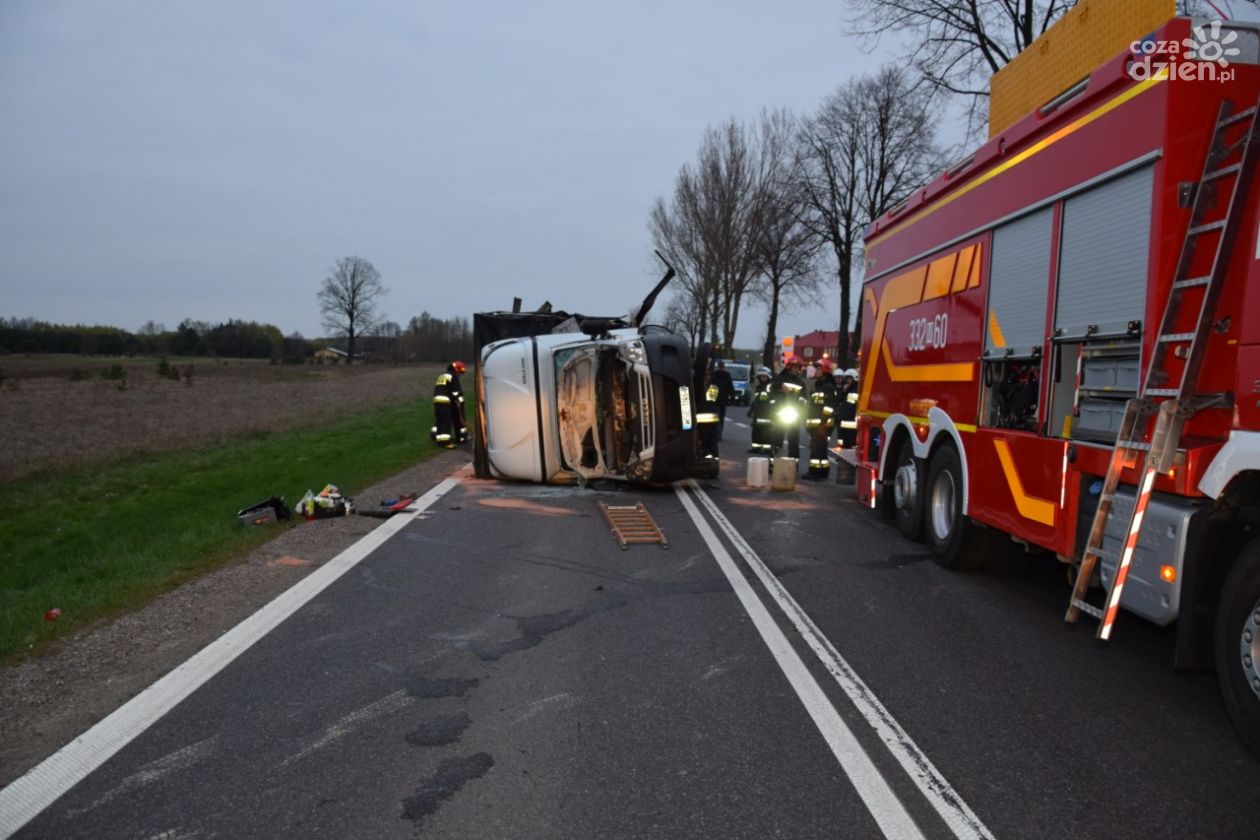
708, 230
675, 236
868, 148
347, 300
898, 148
683, 318
786, 249
827, 174
958, 44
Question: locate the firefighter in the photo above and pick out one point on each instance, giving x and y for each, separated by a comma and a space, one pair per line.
448, 408
759, 413
787, 405
822, 407
847, 401
708, 425
721, 377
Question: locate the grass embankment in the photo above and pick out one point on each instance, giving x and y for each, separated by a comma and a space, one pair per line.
96, 540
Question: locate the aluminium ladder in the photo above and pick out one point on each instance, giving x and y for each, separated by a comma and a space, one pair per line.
1217, 211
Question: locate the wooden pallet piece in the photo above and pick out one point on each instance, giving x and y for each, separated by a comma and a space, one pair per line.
632, 524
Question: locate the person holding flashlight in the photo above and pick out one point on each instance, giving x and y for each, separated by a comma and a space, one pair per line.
787, 406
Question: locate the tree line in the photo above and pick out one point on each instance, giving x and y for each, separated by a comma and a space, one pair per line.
426, 338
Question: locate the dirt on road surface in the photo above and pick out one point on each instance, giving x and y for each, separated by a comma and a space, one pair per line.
48, 700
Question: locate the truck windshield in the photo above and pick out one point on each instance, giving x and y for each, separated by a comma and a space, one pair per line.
597, 400
738, 372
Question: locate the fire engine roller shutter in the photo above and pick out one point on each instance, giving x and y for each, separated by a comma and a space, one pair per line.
1019, 275
1104, 256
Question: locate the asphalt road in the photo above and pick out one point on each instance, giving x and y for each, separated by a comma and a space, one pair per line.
787, 667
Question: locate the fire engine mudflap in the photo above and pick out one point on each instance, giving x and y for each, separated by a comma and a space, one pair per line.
1061, 344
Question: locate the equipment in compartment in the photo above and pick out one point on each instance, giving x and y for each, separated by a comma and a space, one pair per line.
1011, 388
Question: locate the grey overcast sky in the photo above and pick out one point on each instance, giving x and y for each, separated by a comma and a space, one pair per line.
171, 159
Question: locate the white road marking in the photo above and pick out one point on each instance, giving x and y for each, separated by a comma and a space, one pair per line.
741, 425
387, 704
25, 798
879, 798
962, 821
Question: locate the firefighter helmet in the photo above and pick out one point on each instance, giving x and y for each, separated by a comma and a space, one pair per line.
458, 367
825, 367
793, 359
851, 372
764, 371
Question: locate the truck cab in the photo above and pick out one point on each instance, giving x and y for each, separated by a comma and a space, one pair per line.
579, 402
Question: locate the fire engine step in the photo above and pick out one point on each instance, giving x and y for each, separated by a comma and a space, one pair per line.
632, 524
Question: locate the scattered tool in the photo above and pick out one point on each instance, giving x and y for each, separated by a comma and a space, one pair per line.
632, 524
270, 510
390, 506
326, 504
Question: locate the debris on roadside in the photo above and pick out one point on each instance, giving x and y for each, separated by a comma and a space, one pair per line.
270, 510
326, 504
389, 507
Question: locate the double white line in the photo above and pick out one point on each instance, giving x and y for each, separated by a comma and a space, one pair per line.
891, 815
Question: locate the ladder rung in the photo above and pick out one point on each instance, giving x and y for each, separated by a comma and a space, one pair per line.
1210, 226
1193, 281
1088, 609
1222, 172
1137, 447
1160, 392
1239, 117
1177, 337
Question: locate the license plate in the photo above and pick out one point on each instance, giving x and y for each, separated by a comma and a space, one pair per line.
684, 399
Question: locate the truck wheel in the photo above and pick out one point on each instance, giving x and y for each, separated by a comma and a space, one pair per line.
1238, 645
907, 489
948, 530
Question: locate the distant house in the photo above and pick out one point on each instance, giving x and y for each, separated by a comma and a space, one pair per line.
817, 344
329, 354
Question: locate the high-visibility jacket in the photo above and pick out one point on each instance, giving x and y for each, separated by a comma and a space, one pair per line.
847, 406
787, 390
822, 404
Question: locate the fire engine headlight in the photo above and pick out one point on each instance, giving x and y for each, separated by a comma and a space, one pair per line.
788, 414
635, 352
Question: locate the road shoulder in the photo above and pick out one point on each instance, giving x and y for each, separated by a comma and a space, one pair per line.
48, 700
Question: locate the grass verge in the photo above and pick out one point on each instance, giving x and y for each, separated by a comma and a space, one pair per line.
96, 540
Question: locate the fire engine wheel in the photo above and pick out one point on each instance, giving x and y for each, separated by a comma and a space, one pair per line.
907, 490
948, 530
1238, 645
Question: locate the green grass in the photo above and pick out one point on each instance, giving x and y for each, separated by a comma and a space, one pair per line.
97, 540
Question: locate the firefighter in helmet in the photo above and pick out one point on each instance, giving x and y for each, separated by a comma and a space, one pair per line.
822, 407
759, 412
787, 405
846, 407
448, 408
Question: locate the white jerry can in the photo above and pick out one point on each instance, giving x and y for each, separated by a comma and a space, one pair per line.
758, 472
784, 477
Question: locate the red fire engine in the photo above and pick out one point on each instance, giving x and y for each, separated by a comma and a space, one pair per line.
1061, 342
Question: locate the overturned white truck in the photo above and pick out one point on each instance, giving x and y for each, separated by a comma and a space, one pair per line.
566, 398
